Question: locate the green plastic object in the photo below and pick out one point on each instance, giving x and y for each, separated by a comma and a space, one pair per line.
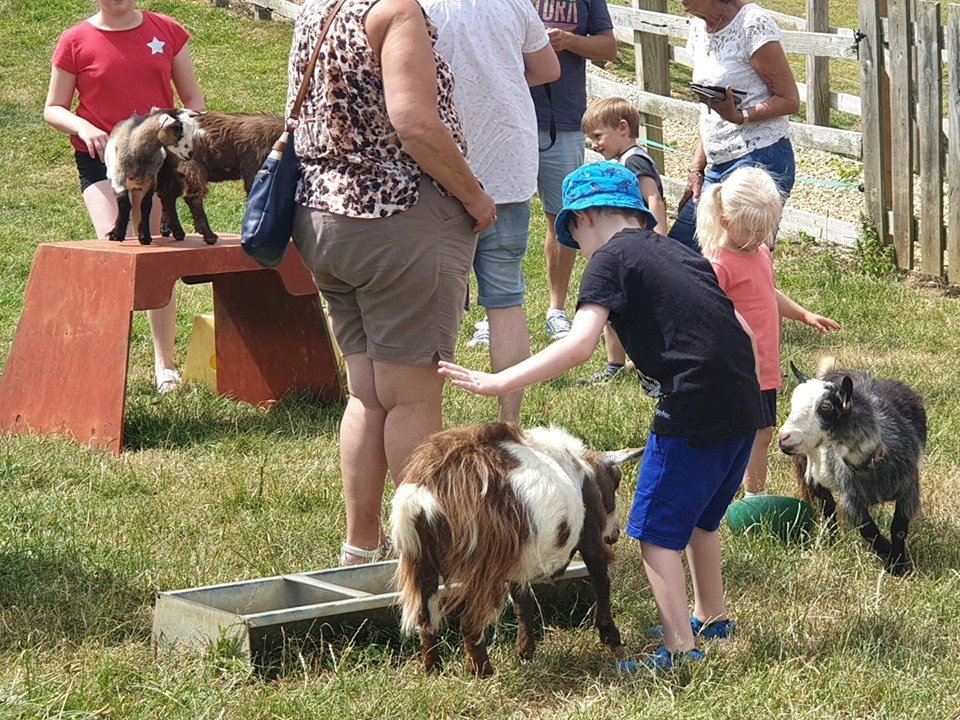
788, 518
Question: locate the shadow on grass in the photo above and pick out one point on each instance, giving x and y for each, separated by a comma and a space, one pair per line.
933, 546
373, 637
49, 597
194, 416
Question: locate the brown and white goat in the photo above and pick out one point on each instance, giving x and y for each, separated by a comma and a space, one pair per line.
225, 146
135, 158
492, 508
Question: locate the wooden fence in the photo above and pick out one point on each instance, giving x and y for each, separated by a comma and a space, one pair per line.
907, 58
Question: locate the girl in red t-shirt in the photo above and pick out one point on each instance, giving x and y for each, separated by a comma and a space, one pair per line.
119, 62
736, 219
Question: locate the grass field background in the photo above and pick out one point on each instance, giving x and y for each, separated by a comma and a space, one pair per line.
211, 491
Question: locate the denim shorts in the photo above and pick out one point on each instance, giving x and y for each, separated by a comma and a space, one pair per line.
776, 159
563, 158
498, 262
681, 486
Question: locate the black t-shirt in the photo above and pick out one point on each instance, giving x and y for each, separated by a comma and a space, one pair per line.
638, 161
680, 330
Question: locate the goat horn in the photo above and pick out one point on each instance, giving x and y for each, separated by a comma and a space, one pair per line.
618, 457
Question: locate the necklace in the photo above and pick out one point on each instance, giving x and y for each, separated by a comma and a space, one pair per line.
723, 16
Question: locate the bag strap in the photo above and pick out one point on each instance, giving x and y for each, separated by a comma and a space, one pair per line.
293, 118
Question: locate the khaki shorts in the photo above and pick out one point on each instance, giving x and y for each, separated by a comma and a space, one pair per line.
395, 286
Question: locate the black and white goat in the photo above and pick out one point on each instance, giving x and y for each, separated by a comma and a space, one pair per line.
224, 146
135, 158
491, 509
862, 439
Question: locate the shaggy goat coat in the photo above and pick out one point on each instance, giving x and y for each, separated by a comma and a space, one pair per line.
863, 439
225, 146
494, 507
135, 159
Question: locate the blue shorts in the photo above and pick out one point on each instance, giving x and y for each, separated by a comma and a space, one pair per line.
680, 487
776, 159
563, 158
498, 261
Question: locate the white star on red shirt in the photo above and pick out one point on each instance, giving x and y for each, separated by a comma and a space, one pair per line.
156, 46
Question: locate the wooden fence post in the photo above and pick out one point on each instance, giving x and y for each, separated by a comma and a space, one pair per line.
953, 148
263, 13
818, 68
929, 119
652, 69
901, 111
875, 160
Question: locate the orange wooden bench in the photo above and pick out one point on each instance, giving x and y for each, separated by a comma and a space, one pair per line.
66, 373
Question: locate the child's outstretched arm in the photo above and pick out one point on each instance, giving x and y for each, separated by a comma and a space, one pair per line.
555, 359
792, 310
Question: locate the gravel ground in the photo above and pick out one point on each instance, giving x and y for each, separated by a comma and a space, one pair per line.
841, 203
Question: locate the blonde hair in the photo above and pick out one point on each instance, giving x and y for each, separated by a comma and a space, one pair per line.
608, 113
747, 203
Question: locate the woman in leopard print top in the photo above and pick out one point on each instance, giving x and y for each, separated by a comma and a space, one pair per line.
387, 220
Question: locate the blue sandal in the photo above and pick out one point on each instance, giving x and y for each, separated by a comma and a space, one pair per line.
716, 630
661, 660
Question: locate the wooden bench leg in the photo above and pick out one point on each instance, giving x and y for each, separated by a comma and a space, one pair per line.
67, 369
270, 342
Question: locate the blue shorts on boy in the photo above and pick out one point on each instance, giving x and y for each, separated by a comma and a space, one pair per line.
681, 486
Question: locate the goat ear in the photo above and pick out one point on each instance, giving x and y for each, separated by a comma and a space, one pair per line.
618, 457
167, 120
846, 392
801, 378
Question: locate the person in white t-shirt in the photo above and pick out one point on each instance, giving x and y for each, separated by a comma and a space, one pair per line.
496, 50
737, 46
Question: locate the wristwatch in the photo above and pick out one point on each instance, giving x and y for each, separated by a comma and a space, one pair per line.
746, 118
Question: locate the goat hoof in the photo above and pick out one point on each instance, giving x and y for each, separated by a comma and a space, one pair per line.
525, 652
610, 636
211, 239
165, 231
145, 239
899, 567
114, 237
485, 670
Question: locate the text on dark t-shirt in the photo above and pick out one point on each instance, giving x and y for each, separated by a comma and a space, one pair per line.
568, 95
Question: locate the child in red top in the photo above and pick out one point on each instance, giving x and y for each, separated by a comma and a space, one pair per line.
119, 62
736, 219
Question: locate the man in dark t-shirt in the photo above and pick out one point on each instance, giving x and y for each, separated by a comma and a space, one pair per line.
695, 356
579, 30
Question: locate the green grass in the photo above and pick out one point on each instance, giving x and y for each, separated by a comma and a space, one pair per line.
211, 491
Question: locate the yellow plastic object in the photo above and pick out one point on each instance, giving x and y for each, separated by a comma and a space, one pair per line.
201, 364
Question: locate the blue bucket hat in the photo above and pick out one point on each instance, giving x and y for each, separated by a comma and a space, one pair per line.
602, 184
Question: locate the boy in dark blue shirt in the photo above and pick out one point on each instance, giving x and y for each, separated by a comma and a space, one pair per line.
694, 355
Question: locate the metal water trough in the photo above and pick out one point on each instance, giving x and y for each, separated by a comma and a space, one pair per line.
260, 614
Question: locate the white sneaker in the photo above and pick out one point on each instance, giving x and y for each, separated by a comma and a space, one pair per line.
558, 324
481, 335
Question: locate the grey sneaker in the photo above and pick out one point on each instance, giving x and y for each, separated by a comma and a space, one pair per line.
481, 335
608, 373
558, 324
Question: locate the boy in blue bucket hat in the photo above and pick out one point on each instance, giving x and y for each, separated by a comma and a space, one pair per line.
695, 355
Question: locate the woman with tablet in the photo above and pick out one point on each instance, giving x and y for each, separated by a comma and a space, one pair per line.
748, 91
